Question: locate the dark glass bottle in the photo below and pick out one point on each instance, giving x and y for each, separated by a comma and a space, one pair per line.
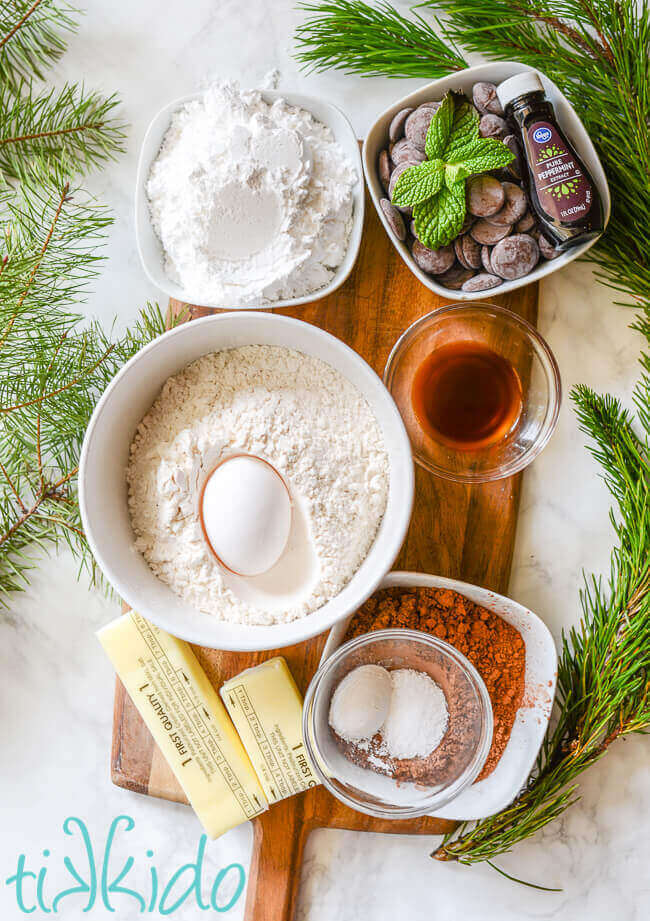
561, 191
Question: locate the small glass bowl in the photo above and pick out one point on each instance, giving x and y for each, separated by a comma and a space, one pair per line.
375, 794
515, 340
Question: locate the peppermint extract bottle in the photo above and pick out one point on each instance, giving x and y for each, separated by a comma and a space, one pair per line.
561, 191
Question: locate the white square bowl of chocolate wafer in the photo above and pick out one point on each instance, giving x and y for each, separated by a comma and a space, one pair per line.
502, 244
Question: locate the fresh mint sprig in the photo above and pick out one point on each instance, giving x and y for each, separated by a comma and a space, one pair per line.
435, 189
440, 128
421, 182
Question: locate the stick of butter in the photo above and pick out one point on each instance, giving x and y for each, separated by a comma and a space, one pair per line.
188, 721
266, 708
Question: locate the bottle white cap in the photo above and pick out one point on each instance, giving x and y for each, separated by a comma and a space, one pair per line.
526, 82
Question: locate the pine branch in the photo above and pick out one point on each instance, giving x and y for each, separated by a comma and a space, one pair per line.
32, 37
53, 365
603, 685
525, 28
41, 256
51, 237
68, 126
372, 40
569, 28
40, 440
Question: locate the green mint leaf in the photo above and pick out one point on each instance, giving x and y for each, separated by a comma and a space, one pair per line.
464, 129
455, 172
470, 148
438, 220
440, 128
466, 119
417, 183
487, 154
489, 150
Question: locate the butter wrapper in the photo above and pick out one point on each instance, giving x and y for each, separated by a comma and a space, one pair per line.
266, 708
187, 720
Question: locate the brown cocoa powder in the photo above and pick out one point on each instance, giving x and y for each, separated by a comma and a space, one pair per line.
494, 647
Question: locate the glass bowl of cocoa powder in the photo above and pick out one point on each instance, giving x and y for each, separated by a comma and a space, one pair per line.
363, 775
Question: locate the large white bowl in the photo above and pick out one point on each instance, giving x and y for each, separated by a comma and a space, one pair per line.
104, 456
529, 728
463, 81
149, 245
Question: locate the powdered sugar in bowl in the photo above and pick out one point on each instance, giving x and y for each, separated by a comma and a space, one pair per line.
105, 457
308, 274
459, 756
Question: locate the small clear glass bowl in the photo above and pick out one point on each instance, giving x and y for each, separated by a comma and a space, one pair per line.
509, 336
376, 794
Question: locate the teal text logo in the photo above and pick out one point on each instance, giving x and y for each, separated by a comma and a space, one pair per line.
105, 879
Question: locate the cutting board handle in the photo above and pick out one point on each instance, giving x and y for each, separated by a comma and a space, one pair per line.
279, 838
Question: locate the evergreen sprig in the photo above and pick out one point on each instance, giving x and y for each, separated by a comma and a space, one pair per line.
596, 51
67, 126
32, 36
603, 689
53, 364
352, 36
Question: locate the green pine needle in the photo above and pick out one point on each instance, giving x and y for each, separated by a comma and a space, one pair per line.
32, 36
372, 40
53, 364
70, 126
603, 689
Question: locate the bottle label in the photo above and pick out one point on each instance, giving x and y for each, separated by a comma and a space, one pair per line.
564, 192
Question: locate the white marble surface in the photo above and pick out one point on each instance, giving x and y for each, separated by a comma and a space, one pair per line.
57, 687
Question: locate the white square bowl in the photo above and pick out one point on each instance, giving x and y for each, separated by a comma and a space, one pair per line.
149, 245
498, 790
463, 81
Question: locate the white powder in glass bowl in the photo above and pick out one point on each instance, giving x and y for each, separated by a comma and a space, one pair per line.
305, 419
252, 201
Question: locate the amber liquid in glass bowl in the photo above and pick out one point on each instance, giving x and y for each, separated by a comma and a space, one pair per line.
478, 389
467, 395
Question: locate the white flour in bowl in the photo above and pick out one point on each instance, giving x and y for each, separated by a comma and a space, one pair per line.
312, 425
252, 201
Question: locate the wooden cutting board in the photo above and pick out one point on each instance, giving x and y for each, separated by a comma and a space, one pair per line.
459, 531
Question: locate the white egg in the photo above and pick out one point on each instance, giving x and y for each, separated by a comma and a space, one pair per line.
246, 514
